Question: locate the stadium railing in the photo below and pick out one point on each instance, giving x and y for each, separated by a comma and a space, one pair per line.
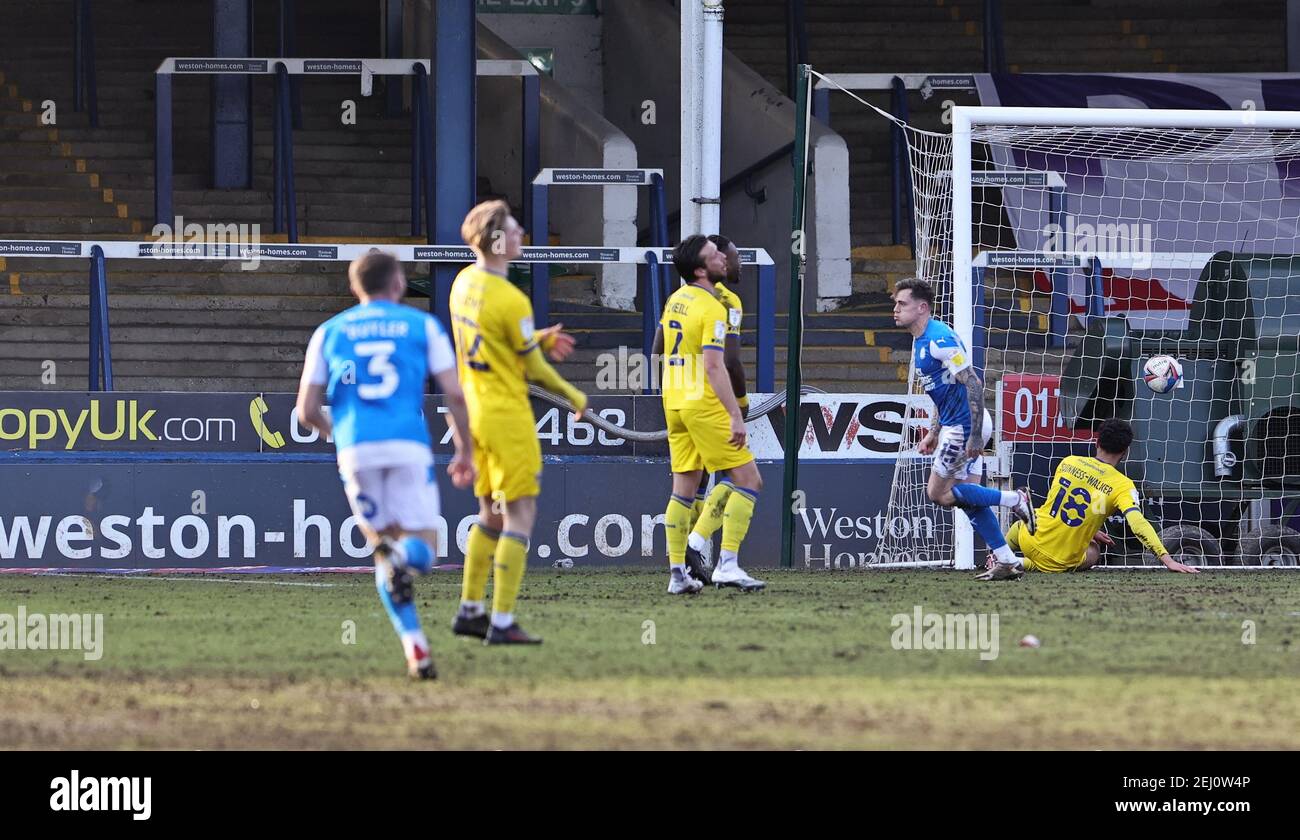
98, 252
286, 69
84, 87
597, 177
995, 57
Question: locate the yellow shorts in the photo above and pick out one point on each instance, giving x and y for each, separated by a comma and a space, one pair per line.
507, 459
701, 439
1035, 559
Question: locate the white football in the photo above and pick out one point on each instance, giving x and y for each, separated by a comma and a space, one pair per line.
1162, 373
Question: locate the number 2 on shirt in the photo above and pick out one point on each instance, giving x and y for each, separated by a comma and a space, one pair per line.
677, 343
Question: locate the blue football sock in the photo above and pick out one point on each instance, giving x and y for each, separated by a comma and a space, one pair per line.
418, 555
986, 525
404, 617
976, 496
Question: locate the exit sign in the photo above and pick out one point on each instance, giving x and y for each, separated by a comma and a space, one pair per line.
538, 7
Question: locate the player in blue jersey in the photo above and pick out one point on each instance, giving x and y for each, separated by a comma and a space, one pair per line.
944, 367
371, 364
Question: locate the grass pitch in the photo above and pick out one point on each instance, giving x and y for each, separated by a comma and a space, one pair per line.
1128, 660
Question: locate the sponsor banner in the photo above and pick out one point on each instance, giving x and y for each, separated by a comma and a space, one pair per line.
20, 248
1030, 410
591, 512
333, 65
537, 7
833, 426
1008, 179
218, 65
599, 176
946, 81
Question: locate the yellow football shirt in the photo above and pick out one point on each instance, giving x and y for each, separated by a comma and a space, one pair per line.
1084, 491
735, 312
492, 322
694, 322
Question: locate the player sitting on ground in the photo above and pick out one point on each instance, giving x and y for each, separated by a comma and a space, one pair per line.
952, 384
1083, 493
703, 526
706, 429
371, 362
498, 352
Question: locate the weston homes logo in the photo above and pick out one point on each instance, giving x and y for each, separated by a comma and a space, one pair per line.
74, 792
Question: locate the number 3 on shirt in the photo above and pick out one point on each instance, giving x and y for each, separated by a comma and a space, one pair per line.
379, 353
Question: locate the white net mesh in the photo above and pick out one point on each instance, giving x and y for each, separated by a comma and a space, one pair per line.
1096, 249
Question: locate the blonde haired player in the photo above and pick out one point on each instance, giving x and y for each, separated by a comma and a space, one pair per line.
1084, 491
706, 429
498, 352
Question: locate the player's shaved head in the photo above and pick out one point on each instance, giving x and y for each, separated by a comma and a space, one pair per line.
727, 247
485, 226
374, 274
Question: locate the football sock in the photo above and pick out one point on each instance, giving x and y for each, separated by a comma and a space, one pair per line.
1004, 554
735, 519
725, 557
508, 569
417, 554
403, 616
677, 518
480, 547
712, 517
986, 525
976, 496
502, 621
697, 508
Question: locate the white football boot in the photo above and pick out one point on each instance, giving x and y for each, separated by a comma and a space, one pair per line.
730, 574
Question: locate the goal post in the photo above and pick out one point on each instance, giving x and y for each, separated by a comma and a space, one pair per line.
1170, 232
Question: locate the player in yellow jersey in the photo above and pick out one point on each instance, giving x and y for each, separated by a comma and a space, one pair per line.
706, 428
700, 542
1083, 493
497, 353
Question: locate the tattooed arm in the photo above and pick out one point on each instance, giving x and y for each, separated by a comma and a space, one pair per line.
975, 401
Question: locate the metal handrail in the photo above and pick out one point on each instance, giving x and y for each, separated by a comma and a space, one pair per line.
101, 352
84, 86
900, 169
421, 160
995, 59
285, 191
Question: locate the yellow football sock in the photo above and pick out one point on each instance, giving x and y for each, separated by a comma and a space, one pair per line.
508, 567
677, 519
711, 520
697, 508
735, 519
481, 546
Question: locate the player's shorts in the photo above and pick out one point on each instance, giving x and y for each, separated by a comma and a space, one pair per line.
507, 459
1035, 558
950, 459
405, 496
701, 439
